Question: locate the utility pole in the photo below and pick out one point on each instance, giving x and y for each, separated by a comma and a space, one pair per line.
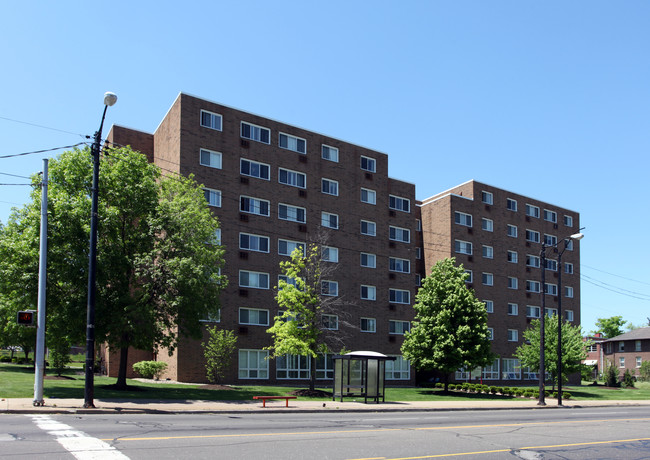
42, 278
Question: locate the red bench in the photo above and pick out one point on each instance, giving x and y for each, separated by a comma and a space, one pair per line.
264, 398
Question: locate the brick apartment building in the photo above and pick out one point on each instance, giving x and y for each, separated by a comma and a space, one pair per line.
275, 186
628, 351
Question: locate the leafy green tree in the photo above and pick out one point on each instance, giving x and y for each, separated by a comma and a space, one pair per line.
573, 347
610, 327
13, 334
450, 327
156, 275
644, 371
219, 351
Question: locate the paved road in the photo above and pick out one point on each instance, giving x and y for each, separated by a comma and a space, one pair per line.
585, 433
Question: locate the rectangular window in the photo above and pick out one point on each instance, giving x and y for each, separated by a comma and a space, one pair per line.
211, 120
488, 252
329, 254
213, 197
513, 283
292, 213
286, 247
551, 311
368, 228
256, 243
368, 325
329, 187
513, 309
329, 220
418, 280
368, 260
491, 372
532, 312
288, 280
487, 224
368, 196
568, 221
550, 289
330, 322
254, 169
568, 291
292, 367
488, 279
512, 231
329, 288
550, 216
511, 369
212, 317
210, 158
532, 211
253, 364
532, 261
462, 218
489, 306
513, 257
253, 316
289, 142
368, 164
511, 204
638, 361
470, 276
399, 369
621, 361
513, 335
399, 203
637, 345
532, 236
532, 286
398, 327
551, 265
399, 234
487, 197
255, 280
463, 247
368, 292
216, 239
490, 333
292, 178
329, 153
325, 366
621, 346
569, 315
418, 253
550, 240
254, 206
399, 296
569, 245
255, 133
568, 268
399, 265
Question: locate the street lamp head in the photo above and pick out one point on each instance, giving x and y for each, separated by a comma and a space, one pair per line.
577, 236
110, 98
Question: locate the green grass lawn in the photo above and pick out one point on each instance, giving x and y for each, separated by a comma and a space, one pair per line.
17, 381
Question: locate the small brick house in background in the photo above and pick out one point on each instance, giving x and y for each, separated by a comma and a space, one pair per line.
629, 350
595, 356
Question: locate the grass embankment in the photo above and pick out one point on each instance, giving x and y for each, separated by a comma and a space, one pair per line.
17, 381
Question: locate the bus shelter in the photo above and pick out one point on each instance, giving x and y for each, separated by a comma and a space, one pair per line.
360, 374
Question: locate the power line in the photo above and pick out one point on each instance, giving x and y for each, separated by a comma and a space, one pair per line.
15, 175
618, 276
43, 151
41, 126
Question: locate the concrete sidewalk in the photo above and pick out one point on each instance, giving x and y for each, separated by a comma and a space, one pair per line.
114, 406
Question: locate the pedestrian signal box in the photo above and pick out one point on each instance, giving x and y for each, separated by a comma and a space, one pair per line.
26, 317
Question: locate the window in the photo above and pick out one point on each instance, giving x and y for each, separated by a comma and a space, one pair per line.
511, 204
637, 345
398, 327
329, 288
511, 369
368, 228
330, 187
256, 243
551, 311
487, 224
470, 276
255, 280
399, 369
532, 211
255, 133
211, 120
399, 265
513, 257
368, 292
532, 286
569, 315
329, 153
532, 235
551, 265
550, 289
568, 221
292, 213
253, 364
399, 234
621, 361
513, 283
532, 311
638, 361
254, 206
491, 372
368, 260
213, 197
488, 252
286, 247
418, 280
325, 366
330, 322
418, 253
289, 142
368, 196
487, 197
254, 169
368, 325
329, 254
550, 216
488, 279
568, 291
513, 309
489, 306
532, 261
621, 346
462, 218
399, 296
569, 245
368, 164
399, 203
288, 280
513, 335
418, 225
292, 178
550, 240
463, 247
490, 333
292, 367
253, 317
212, 317
329, 220
512, 231
210, 158
216, 238
568, 268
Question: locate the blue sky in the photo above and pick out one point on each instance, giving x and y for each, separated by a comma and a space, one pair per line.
546, 99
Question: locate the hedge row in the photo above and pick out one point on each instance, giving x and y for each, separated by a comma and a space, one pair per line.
506, 391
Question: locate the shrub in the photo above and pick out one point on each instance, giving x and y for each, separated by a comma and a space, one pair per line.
465, 386
530, 393
611, 376
628, 379
438, 385
644, 371
493, 390
519, 392
150, 369
566, 395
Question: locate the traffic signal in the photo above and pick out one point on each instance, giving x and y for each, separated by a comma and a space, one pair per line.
26, 318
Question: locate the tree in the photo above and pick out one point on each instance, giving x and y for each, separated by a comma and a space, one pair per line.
450, 327
218, 351
157, 275
574, 349
299, 328
610, 327
644, 371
